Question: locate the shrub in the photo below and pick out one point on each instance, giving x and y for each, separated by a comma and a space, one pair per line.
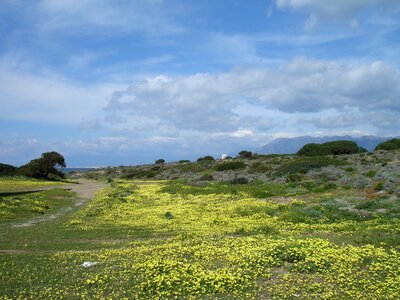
206, 177
259, 167
230, 165
239, 180
371, 173
206, 158
184, 161
7, 170
139, 174
303, 165
45, 166
168, 215
379, 186
159, 161
245, 154
392, 144
335, 148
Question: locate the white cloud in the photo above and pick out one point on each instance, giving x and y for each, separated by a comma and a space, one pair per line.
241, 133
337, 8
47, 97
12, 149
311, 22
218, 113
209, 102
145, 16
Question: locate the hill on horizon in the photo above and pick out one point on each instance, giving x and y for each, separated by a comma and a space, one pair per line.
292, 145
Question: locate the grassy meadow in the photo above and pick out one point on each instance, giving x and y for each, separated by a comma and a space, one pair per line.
174, 240
17, 184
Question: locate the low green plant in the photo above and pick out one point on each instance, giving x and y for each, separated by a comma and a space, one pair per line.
230, 165
303, 165
371, 173
239, 180
379, 186
206, 177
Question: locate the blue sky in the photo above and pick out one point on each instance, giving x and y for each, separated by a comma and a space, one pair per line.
127, 82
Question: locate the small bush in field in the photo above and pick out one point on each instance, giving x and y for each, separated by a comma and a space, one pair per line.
370, 173
206, 158
206, 177
240, 180
379, 186
230, 165
159, 161
245, 154
303, 165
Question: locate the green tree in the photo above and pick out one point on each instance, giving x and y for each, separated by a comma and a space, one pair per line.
45, 166
160, 161
206, 158
7, 170
335, 148
245, 154
392, 144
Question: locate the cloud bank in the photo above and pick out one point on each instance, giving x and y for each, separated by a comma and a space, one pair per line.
207, 102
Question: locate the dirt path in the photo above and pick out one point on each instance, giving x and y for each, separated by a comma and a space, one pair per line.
84, 190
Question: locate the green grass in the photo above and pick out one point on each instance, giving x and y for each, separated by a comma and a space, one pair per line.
14, 184
22, 206
255, 189
165, 240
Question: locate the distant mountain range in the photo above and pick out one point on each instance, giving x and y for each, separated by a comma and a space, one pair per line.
292, 145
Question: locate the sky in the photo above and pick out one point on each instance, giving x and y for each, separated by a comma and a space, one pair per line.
126, 82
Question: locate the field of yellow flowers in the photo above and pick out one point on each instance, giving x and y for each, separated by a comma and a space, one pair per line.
167, 240
9, 184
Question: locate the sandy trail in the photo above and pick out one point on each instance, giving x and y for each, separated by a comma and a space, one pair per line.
84, 190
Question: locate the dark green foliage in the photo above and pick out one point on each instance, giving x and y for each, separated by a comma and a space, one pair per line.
230, 165
245, 154
240, 180
7, 170
294, 177
303, 165
371, 173
139, 174
392, 144
335, 148
194, 167
45, 166
184, 161
156, 168
206, 158
159, 161
168, 215
206, 177
379, 186
316, 214
375, 204
259, 167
